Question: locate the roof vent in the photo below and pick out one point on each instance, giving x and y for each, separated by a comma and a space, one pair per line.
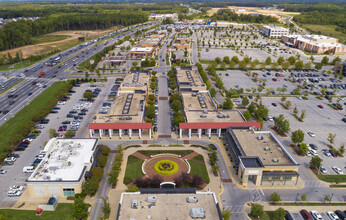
275, 160
259, 137
267, 148
203, 116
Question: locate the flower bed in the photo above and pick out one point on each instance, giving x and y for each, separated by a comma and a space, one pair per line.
166, 167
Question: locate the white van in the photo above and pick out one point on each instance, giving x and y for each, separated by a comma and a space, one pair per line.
28, 169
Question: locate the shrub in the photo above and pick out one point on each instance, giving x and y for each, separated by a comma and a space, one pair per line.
102, 161
256, 210
105, 150
166, 167
97, 173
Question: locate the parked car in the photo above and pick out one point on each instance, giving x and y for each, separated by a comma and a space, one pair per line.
312, 134
39, 126
313, 146
66, 122
337, 170
332, 216
340, 214
13, 193
320, 106
326, 152
17, 187
288, 216
333, 153
323, 170
316, 215
2, 171
306, 215
5, 163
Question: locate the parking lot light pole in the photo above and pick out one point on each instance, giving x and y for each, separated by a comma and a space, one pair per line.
297, 197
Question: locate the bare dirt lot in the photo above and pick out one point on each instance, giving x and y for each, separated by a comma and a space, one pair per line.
47, 47
255, 10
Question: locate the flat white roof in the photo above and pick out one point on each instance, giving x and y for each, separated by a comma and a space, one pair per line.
65, 160
141, 49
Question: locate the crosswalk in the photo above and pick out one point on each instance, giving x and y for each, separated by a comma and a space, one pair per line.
313, 184
235, 208
257, 195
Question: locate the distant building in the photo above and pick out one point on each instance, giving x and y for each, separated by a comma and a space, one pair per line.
318, 44
61, 172
340, 68
140, 52
274, 31
163, 16
116, 60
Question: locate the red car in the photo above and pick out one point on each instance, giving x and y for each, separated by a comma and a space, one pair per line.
333, 153
274, 79
41, 74
62, 128
320, 106
306, 215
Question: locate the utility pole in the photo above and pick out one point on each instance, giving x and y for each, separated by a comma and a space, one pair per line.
297, 197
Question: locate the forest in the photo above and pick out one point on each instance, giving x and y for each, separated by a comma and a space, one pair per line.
228, 15
61, 17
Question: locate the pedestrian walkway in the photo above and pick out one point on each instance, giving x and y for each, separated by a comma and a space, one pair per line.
235, 208
257, 195
190, 156
313, 184
140, 156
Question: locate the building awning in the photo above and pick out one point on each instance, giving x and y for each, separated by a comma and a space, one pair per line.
120, 125
222, 125
280, 173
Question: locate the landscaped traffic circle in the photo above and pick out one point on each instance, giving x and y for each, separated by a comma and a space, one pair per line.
166, 167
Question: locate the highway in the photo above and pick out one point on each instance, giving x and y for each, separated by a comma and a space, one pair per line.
70, 58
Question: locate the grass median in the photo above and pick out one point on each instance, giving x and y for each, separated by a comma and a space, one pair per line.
198, 168
16, 128
133, 169
62, 211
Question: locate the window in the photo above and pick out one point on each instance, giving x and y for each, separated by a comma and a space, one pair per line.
68, 192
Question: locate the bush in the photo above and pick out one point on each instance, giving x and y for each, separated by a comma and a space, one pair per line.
97, 173
275, 197
105, 150
166, 167
102, 161
257, 210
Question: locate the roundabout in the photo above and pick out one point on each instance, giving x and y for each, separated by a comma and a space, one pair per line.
167, 166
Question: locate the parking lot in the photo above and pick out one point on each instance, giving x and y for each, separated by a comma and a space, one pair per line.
319, 121
15, 175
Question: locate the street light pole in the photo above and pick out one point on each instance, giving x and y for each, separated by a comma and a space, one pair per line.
297, 197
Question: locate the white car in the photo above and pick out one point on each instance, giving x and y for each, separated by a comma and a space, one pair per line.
75, 123
2, 171
13, 90
332, 216
13, 193
323, 170
316, 215
39, 126
337, 170
326, 152
270, 119
299, 97
312, 134
61, 103
16, 187
76, 107
10, 159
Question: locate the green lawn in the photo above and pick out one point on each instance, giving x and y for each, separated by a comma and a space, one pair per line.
133, 169
12, 129
49, 38
63, 211
328, 30
198, 167
268, 215
333, 178
177, 152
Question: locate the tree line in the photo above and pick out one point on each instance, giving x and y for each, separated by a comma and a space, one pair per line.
20, 33
228, 15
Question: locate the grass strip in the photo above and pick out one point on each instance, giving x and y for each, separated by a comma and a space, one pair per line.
133, 169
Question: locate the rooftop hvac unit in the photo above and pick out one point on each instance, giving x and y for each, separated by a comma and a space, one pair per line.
194, 94
205, 111
151, 199
220, 115
204, 106
203, 116
128, 118
134, 204
259, 137
122, 118
267, 148
275, 160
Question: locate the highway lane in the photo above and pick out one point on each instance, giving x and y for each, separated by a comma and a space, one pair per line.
70, 58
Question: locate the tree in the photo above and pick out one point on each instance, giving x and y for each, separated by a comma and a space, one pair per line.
80, 208
261, 112
283, 98
342, 149
257, 210
88, 95
303, 197
235, 59
176, 105
331, 138
226, 214
318, 66
268, 60
251, 108
303, 148
279, 214
297, 136
132, 188
336, 59
69, 133
228, 104
275, 197
299, 65
226, 59
212, 92
218, 60
242, 65
325, 60
282, 124
291, 60
295, 110
316, 162
247, 115
151, 111
106, 209
302, 115
52, 133
280, 60
134, 63
245, 101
